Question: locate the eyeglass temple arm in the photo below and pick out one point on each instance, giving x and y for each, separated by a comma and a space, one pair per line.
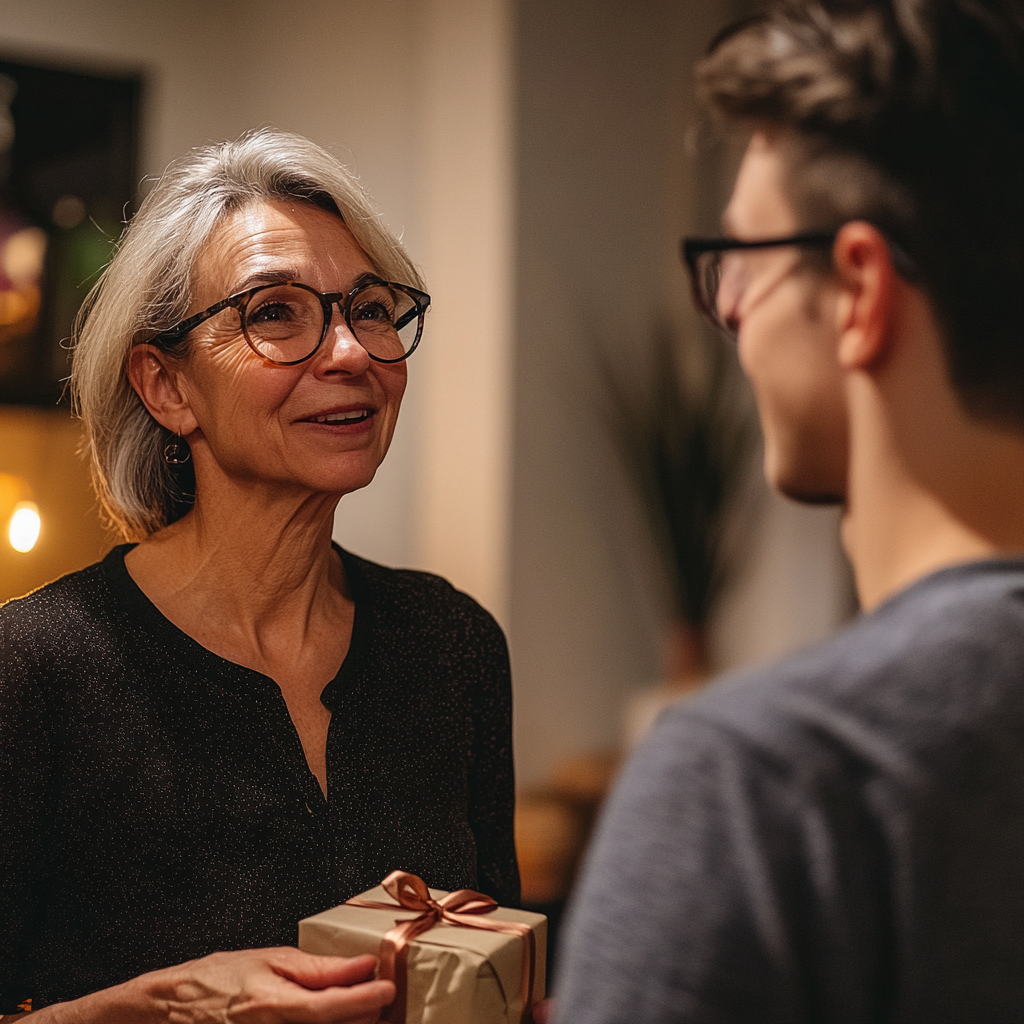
422, 300
183, 327
692, 248
409, 316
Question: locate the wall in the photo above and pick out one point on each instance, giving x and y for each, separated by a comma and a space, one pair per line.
613, 168
592, 108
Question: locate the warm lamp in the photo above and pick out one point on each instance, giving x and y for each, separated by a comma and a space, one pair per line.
23, 530
20, 512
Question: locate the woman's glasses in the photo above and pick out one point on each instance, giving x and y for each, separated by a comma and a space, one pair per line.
286, 323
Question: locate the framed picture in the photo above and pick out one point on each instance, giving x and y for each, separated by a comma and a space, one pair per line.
68, 158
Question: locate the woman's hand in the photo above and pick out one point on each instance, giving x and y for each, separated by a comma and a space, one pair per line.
273, 986
253, 986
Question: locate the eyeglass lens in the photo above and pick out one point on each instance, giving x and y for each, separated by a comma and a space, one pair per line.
722, 280
285, 323
709, 280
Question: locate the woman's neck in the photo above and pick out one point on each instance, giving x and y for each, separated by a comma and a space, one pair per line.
250, 575
248, 566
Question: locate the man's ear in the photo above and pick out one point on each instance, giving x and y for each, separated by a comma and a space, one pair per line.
867, 282
157, 380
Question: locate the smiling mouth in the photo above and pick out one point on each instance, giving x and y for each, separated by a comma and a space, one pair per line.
356, 416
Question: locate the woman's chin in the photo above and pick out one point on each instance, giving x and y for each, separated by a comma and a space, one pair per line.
344, 482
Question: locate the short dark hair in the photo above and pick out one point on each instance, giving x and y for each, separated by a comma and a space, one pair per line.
908, 113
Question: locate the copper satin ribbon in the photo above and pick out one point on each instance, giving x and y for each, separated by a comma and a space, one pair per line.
457, 908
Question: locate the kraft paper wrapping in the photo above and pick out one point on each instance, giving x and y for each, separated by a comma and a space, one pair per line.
455, 975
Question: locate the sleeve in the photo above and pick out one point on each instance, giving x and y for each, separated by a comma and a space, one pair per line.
715, 892
25, 780
492, 777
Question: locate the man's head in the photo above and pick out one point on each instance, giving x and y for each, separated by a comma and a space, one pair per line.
908, 114
782, 302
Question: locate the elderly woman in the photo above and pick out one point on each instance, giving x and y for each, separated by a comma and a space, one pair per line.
231, 723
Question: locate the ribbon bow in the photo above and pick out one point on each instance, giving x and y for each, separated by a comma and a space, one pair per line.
457, 908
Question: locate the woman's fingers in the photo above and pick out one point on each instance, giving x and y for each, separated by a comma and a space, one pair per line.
272, 986
358, 1004
313, 971
345, 983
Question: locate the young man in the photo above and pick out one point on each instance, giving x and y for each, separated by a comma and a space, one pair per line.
841, 837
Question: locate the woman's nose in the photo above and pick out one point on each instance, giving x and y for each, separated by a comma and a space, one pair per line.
341, 351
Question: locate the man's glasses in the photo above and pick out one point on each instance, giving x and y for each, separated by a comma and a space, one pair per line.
286, 323
706, 259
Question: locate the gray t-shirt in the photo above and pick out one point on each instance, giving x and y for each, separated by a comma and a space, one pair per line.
839, 837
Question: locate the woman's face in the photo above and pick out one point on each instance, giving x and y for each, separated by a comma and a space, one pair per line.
322, 426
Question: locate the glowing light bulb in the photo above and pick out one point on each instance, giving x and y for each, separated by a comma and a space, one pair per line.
23, 531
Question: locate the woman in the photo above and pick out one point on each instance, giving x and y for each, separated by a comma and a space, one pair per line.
231, 724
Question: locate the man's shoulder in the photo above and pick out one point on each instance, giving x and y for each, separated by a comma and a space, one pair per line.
942, 656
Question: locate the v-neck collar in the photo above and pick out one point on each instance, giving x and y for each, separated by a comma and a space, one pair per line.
136, 606
137, 610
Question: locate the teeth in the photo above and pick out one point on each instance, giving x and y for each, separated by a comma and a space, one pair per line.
342, 417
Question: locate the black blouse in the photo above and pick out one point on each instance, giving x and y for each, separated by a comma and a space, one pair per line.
155, 802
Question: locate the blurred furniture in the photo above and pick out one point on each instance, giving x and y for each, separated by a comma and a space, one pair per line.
553, 826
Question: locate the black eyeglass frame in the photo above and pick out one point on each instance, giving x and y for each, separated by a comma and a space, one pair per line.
328, 300
691, 249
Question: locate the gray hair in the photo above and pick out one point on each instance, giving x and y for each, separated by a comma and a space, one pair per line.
148, 287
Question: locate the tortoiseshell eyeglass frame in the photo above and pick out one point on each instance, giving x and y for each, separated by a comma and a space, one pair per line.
240, 300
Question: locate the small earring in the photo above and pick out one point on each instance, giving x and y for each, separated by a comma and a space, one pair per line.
176, 451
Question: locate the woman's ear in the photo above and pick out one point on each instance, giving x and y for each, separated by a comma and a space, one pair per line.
867, 280
157, 380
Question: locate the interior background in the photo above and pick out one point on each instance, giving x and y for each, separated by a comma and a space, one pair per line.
540, 159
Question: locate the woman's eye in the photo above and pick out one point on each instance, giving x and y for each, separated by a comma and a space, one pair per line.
271, 312
376, 312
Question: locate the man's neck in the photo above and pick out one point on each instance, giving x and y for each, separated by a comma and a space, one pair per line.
930, 486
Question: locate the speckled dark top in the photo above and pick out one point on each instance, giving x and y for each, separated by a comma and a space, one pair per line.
155, 803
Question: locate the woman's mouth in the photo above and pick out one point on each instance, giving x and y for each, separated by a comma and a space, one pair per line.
351, 417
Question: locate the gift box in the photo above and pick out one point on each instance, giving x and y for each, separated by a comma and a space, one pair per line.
455, 958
